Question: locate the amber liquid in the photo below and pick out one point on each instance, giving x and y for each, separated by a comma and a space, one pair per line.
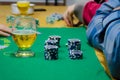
24, 38
23, 6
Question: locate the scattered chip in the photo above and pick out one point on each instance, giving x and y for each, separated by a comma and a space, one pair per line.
54, 17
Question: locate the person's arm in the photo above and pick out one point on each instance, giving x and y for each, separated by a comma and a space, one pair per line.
74, 10
4, 31
89, 11
79, 10
95, 27
99, 29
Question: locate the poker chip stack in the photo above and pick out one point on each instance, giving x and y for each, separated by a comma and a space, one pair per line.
57, 38
51, 52
74, 48
51, 47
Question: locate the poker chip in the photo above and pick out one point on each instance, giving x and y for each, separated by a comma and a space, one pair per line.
51, 42
50, 20
74, 49
55, 37
54, 17
74, 44
51, 52
76, 54
10, 19
51, 47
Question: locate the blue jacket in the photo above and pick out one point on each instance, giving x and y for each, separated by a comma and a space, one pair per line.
104, 33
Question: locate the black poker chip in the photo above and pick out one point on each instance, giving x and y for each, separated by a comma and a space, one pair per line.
51, 52
55, 37
74, 44
51, 42
75, 54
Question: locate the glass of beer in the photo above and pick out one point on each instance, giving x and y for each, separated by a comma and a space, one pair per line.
24, 35
23, 6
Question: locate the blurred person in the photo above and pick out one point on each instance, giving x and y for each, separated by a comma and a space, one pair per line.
84, 11
4, 30
103, 33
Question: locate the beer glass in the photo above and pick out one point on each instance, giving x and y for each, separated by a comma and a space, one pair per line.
24, 35
23, 6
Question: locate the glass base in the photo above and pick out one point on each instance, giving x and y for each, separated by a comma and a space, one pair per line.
24, 54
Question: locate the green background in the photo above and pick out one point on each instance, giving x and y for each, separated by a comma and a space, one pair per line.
37, 68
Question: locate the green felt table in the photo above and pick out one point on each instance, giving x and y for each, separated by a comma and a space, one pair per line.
37, 68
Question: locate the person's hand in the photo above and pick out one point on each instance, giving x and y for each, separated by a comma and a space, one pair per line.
4, 31
68, 15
